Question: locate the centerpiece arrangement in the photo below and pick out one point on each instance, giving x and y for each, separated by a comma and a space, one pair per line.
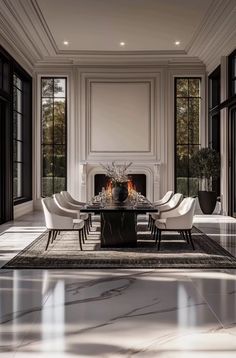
119, 180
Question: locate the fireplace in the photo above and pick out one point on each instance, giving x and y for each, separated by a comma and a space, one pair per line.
136, 181
92, 179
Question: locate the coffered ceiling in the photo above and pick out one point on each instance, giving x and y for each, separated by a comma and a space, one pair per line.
144, 25
37, 29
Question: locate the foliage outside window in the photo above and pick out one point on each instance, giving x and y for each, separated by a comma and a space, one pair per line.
187, 118
18, 143
53, 117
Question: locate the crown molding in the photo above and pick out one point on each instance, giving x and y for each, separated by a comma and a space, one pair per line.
215, 36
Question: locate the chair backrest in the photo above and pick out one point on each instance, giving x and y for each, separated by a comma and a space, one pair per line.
56, 218
49, 209
71, 200
186, 208
172, 203
165, 198
67, 196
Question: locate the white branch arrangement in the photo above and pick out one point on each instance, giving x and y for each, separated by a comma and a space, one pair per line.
117, 172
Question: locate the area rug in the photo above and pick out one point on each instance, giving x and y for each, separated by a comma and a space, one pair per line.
174, 253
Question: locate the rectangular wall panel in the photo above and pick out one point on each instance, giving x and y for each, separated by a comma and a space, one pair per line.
120, 116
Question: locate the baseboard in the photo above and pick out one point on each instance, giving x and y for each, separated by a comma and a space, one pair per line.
22, 209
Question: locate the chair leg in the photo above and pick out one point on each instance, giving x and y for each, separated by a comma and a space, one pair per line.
149, 222
190, 238
152, 226
82, 235
87, 226
85, 231
187, 238
159, 240
80, 239
90, 220
54, 235
49, 238
156, 234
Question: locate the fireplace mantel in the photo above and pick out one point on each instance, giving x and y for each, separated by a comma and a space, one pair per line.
152, 171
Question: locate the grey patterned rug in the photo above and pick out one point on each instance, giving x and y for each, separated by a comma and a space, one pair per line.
174, 253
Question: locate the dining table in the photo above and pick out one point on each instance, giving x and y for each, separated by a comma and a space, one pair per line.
119, 221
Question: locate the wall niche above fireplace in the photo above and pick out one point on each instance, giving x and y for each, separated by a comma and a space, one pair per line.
138, 182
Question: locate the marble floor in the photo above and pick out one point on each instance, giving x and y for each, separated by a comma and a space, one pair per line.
116, 313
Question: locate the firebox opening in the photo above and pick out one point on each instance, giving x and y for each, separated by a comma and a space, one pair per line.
136, 181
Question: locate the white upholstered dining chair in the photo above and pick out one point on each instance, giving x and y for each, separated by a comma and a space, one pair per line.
57, 220
62, 203
162, 201
170, 205
71, 200
179, 219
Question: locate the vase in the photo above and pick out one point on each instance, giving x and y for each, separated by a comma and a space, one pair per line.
120, 192
207, 201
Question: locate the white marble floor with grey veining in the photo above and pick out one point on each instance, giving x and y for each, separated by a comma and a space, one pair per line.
116, 313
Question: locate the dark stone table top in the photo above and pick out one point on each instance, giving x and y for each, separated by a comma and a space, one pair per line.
141, 207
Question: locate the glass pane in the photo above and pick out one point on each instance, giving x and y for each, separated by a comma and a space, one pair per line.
194, 107
234, 66
47, 186
182, 161
193, 186
47, 121
14, 150
59, 121
182, 185
17, 100
47, 87
234, 87
17, 126
17, 180
19, 151
59, 87
182, 121
192, 150
59, 184
6, 77
17, 82
59, 160
194, 87
182, 87
47, 160
1, 73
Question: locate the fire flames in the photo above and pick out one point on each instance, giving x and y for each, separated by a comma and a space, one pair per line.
131, 187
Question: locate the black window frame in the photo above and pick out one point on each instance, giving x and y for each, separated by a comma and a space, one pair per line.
231, 77
41, 131
175, 128
6, 94
214, 100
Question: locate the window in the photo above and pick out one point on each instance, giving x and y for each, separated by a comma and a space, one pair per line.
53, 119
17, 138
214, 116
232, 74
15, 135
187, 115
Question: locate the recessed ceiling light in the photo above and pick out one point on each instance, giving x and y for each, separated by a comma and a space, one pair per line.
66, 43
177, 43
122, 43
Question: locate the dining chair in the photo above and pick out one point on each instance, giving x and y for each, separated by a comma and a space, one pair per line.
162, 201
179, 219
62, 203
71, 200
170, 205
57, 220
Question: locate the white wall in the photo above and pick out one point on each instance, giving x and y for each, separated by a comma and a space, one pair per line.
119, 113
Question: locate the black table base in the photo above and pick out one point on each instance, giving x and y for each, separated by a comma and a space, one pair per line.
118, 229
